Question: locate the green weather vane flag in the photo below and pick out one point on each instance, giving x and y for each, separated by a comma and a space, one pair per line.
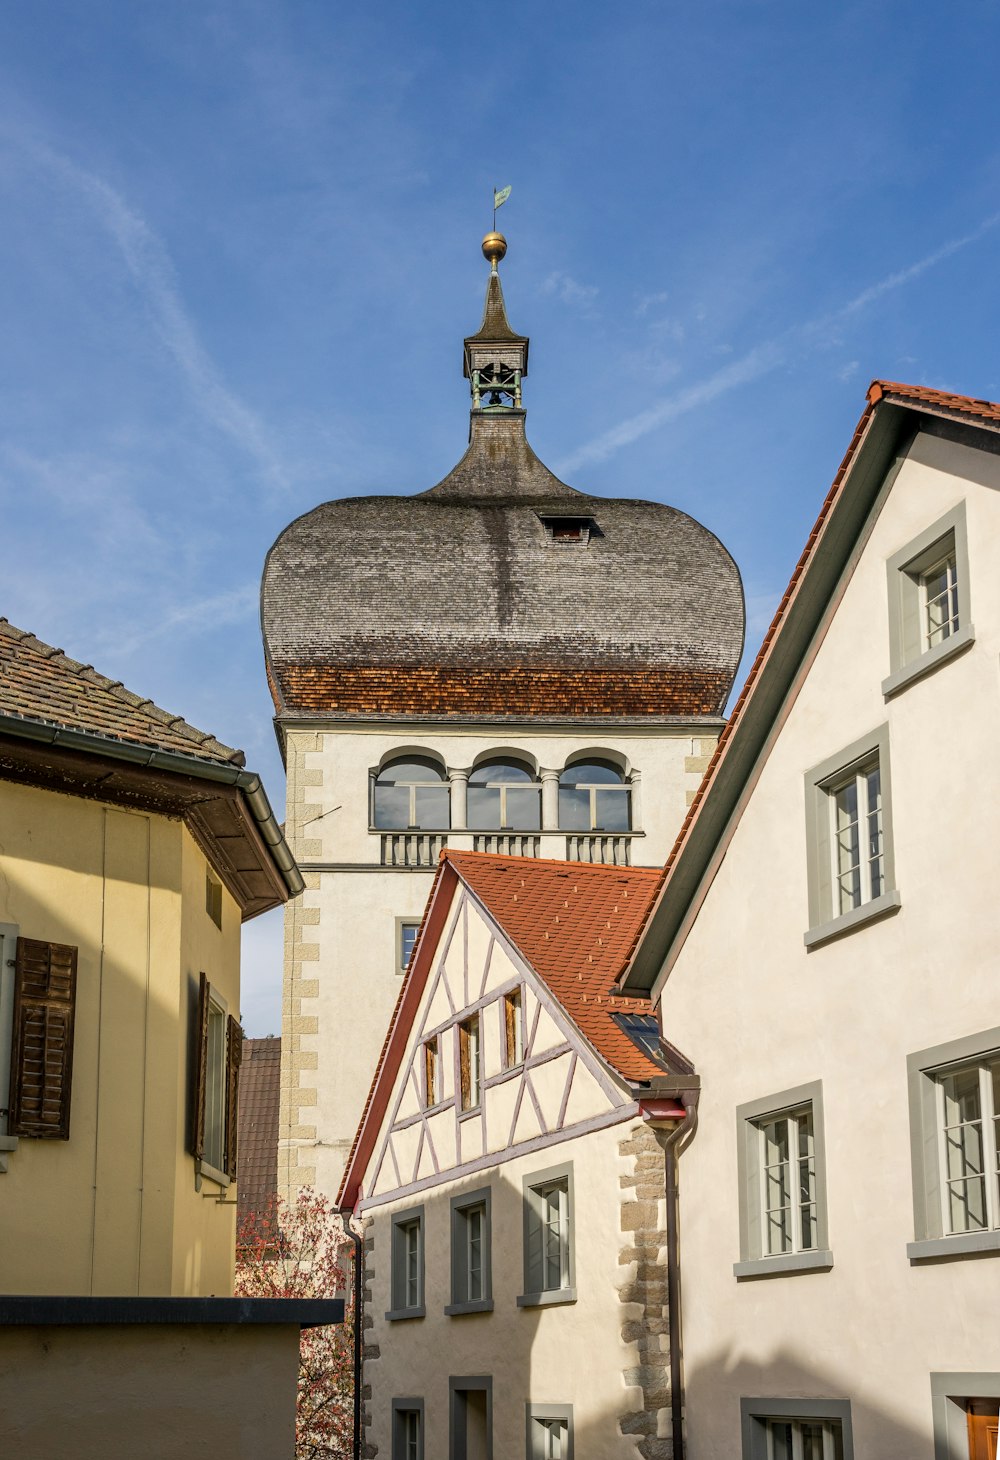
499, 198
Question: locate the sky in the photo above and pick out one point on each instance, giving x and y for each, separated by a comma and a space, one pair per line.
240, 250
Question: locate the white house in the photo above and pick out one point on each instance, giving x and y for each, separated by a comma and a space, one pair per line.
824, 948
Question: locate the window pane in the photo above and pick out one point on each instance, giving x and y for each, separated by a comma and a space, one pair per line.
591, 773
553, 1433
574, 809
500, 773
807, 1180
776, 1187
392, 806
780, 1435
433, 810
484, 809
406, 772
474, 1240
848, 850
940, 593
964, 1154
524, 809
612, 810
873, 791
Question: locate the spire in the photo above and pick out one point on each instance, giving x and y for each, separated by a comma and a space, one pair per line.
496, 359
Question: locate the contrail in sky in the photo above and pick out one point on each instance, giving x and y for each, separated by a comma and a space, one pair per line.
758, 361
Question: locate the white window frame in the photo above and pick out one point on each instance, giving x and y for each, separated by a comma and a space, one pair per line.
401, 926
989, 1135
755, 1261
539, 1420
792, 1119
821, 786
912, 654
858, 777
926, 1071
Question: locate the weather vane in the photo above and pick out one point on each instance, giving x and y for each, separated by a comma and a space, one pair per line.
499, 198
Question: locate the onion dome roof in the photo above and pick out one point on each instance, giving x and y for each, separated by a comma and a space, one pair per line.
500, 592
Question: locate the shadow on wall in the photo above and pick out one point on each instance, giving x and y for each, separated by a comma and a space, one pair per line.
715, 1389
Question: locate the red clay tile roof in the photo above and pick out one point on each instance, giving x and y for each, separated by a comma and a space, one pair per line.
508, 689
257, 1135
893, 392
574, 923
40, 683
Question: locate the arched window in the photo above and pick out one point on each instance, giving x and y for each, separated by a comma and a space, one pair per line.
593, 796
411, 793
504, 796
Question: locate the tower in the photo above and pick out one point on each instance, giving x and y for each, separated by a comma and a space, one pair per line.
498, 664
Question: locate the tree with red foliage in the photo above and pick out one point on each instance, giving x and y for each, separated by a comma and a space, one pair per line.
299, 1250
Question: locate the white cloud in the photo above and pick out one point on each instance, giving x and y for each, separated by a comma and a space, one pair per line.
761, 360
650, 301
568, 289
848, 370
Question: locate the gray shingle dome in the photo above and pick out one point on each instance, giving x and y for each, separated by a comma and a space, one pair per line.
501, 591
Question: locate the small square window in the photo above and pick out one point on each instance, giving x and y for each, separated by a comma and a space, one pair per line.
955, 1125
432, 1093
407, 1429
797, 1429
406, 939
782, 1186
565, 529
513, 1030
406, 1279
213, 898
849, 851
550, 1432
549, 1274
929, 610
471, 1257
469, 1062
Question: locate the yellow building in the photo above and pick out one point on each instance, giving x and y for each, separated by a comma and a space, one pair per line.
132, 846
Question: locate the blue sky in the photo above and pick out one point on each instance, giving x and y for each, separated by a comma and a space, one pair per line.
240, 250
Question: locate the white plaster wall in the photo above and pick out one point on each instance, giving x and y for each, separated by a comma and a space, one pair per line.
758, 1014
348, 943
564, 1354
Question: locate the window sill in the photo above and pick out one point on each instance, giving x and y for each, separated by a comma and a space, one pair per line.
206, 1171
792, 1262
547, 1299
482, 1305
868, 912
962, 1244
399, 1315
8, 1144
468, 1114
928, 661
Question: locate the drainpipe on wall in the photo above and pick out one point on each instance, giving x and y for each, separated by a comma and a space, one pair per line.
679, 1133
359, 1249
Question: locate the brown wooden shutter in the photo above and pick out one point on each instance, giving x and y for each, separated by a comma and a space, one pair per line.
41, 1066
199, 1072
465, 1065
234, 1058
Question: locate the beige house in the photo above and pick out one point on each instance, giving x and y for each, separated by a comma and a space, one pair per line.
510, 1173
824, 948
132, 848
500, 663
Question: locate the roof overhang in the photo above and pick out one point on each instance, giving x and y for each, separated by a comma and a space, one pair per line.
885, 430
223, 806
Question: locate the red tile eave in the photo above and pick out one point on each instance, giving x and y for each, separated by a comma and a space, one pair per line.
908, 395
394, 1045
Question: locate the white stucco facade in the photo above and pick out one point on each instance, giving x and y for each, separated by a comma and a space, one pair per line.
759, 1013
342, 972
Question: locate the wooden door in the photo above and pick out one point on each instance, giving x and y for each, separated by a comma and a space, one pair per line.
983, 1422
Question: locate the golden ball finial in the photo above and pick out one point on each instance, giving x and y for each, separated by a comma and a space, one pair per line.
494, 248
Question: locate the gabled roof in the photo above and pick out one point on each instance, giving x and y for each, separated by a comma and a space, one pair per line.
257, 1136
38, 682
572, 923
893, 413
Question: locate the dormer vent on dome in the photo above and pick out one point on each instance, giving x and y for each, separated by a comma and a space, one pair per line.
496, 359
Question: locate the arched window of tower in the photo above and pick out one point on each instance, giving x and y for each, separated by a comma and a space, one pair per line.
594, 796
411, 793
504, 795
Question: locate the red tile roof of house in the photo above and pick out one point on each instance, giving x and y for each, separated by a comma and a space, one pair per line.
574, 923
257, 1133
38, 682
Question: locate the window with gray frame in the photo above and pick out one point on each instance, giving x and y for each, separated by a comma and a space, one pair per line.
471, 1417
593, 796
411, 794
549, 1431
407, 1265
406, 938
930, 617
797, 1429
471, 1253
966, 1411
782, 1182
407, 1429
849, 850
549, 1271
954, 1094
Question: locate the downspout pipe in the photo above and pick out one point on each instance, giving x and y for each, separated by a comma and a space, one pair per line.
678, 1137
359, 1250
